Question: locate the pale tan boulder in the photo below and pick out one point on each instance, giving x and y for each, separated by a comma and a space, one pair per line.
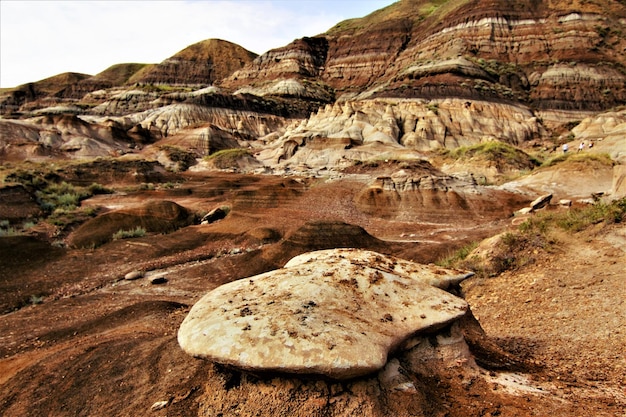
338, 316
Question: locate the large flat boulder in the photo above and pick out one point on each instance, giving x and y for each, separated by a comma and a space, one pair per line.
337, 313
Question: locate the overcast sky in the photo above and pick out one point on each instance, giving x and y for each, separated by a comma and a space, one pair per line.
39, 39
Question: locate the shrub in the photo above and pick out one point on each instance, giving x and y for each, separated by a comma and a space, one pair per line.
183, 158
61, 196
35, 299
96, 188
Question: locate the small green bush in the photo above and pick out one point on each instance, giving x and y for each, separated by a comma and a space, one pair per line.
96, 188
576, 219
35, 299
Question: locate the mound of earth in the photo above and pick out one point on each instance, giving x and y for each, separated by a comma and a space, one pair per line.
16, 203
153, 217
578, 177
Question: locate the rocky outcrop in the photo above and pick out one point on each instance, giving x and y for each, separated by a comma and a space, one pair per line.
606, 131
343, 131
302, 58
61, 135
410, 78
17, 203
438, 198
114, 76
13, 99
336, 313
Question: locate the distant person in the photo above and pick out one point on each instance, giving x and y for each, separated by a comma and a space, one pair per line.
565, 148
590, 145
581, 146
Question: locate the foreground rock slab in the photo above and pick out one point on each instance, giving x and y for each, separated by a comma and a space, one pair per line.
337, 313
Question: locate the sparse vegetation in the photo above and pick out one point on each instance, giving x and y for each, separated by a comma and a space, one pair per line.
6, 229
128, 234
457, 256
576, 219
583, 158
227, 158
495, 151
35, 299
433, 107
520, 247
183, 159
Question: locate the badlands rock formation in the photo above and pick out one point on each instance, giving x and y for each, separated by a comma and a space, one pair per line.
337, 313
525, 51
416, 131
414, 76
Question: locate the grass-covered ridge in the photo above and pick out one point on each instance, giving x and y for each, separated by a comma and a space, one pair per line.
500, 153
416, 11
228, 158
584, 158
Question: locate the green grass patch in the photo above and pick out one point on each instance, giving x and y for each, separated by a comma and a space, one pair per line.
582, 158
502, 154
576, 219
492, 150
228, 158
128, 234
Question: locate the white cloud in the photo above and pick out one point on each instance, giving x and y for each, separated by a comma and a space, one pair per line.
39, 39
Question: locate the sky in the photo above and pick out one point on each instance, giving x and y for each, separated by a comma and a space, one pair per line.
42, 38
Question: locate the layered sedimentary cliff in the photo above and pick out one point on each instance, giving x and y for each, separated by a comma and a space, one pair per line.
527, 51
415, 76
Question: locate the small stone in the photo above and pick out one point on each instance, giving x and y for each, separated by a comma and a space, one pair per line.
541, 201
565, 203
523, 211
159, 405
214, 215
136, 274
